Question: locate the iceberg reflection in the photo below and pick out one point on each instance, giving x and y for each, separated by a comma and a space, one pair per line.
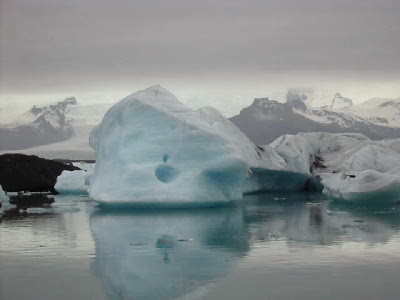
168, 254
165, 254
313, 220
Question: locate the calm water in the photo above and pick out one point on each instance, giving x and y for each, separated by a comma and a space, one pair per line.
269, 247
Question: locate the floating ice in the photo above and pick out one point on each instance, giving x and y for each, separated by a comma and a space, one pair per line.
89, 172
52, 210
350, 166
153, 150
72, 182
3, 196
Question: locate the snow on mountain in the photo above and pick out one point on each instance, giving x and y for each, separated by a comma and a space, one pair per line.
311, 97
62, 130
317, 98
53, 114
326, 107
341, 102
82, 119
265, 120
326, 115
380, 111
376, 111
38, 126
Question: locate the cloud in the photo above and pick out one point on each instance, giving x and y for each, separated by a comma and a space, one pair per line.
55, 44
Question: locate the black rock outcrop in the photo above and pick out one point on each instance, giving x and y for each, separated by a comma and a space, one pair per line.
19, 172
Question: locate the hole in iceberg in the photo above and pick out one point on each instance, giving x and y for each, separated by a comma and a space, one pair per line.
165, 173
165, 158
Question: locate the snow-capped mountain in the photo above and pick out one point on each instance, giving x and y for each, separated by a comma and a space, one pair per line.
62, 130
311, 97
380, 111
265, 120
319, 103
341, 102
71, 123
38, 126
376, 111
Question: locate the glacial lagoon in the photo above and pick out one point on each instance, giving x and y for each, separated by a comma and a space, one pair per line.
269, 246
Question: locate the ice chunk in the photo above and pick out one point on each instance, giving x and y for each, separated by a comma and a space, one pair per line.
3, 196
367, 185
350, 166
89, 171
72, 182
153, 150
83, 165
52, 210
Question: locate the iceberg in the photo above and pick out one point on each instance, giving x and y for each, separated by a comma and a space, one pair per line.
88, 167
152, 150
89, 172
3, 196
72, 182
350, 166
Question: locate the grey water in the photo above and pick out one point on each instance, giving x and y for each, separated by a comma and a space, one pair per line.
271, 246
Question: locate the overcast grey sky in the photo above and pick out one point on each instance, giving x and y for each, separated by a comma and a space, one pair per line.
51, 46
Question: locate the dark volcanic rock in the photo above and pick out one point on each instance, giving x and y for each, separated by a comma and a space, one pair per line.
19, 172
34, 200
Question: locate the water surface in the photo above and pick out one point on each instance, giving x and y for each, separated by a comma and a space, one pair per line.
271, 246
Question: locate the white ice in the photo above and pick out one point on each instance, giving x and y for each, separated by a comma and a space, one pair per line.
354, 167
3, 196
88, 167
72, 182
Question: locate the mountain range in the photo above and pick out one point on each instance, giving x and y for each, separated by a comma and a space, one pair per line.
62, 130
265, 120
38, 126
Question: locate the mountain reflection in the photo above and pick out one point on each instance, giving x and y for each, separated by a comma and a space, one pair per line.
168, 254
